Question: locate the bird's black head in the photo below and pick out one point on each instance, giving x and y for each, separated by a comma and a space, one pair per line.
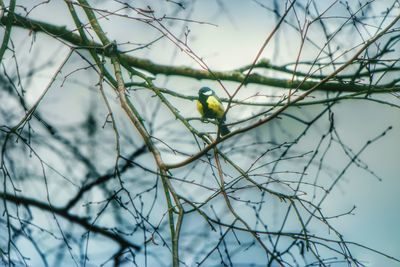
205, 91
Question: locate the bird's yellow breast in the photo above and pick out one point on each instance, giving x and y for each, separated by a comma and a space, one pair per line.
200, 108
216, 106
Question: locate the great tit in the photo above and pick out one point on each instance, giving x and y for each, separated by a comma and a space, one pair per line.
209, 106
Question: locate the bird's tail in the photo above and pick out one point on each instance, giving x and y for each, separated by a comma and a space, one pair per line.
224, 129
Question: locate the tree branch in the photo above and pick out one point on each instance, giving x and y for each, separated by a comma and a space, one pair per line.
71, 218
156, 69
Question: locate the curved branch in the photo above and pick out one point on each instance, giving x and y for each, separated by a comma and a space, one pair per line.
71, 218
287, 104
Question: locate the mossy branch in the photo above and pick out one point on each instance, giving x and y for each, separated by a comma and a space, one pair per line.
61, 32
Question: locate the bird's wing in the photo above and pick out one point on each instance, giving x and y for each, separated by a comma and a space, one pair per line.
216, 106
200, 108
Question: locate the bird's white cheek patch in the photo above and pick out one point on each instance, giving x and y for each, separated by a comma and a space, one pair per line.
207, 93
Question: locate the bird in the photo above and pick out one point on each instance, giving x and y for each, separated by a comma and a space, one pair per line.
210, 107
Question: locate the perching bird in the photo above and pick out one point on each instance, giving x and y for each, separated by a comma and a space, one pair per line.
211, 107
